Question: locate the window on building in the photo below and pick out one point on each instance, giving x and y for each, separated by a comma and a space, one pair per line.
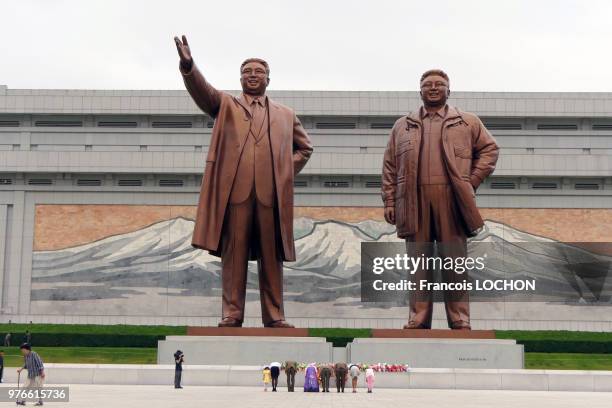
40, 182
336, 125
503, 185
602, 126
336, 184
117, 124
58, 123
557, 126
586, 186
89, 182
129, 182
171, 183
381, 125
172, 124
544, 185
503, 126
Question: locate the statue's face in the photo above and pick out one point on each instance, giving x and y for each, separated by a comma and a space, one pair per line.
434, 90
254, 79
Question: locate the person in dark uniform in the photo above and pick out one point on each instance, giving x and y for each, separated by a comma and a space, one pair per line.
340, 369
179, 359
290, 369
326, 372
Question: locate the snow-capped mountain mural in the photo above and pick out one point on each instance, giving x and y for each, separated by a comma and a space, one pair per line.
155, 269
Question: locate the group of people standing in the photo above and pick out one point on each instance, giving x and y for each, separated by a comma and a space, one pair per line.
318, 377
27, 338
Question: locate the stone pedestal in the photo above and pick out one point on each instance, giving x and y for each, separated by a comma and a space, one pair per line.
243, 350
438, 353
418, 348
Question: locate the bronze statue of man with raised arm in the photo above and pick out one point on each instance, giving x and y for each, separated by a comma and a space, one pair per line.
245, 210
435, 160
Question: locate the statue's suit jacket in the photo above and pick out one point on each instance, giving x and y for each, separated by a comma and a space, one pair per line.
469, 153
291, 148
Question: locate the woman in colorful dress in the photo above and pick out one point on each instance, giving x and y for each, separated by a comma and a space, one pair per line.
311, 381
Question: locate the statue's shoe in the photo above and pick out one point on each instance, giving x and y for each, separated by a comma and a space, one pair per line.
414, 326
230, 322
280, 324
461, 325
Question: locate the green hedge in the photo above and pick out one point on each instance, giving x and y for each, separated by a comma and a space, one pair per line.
554, 335
59, 335
339, 337
560, 346
560, 341
89, 335
88, 340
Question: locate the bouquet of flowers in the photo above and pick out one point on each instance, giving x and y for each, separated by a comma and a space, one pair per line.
390, 368
378, 367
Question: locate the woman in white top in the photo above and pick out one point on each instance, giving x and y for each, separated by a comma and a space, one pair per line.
354, 372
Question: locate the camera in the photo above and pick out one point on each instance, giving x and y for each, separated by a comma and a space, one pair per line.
178, 355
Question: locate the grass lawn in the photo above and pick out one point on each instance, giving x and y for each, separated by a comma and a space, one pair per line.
85, 355
557, 335
568, 361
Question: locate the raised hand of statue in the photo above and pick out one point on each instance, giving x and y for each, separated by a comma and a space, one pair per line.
184, 53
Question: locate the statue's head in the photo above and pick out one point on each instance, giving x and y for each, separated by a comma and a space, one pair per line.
254, 76
435, 88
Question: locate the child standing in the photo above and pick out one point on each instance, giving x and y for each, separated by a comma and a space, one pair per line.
370, 379
267, 377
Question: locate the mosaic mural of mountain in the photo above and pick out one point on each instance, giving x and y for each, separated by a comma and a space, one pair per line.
155, 269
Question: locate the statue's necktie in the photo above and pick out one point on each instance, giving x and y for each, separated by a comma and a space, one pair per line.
259, 115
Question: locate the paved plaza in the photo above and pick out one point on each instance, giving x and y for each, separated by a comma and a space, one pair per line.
141, 396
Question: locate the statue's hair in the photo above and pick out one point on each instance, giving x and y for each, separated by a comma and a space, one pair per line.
438, 72
259, 60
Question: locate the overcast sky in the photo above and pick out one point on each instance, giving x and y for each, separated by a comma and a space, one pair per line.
382, 45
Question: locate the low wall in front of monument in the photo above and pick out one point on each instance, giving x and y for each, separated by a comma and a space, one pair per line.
133, 264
